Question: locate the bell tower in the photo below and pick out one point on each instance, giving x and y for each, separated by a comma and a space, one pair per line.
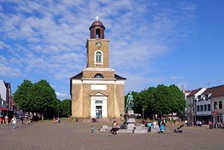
97, 46
97, 29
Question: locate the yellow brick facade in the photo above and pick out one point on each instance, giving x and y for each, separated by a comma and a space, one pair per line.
91, 96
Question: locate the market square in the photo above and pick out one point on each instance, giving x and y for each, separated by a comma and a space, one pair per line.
77, 135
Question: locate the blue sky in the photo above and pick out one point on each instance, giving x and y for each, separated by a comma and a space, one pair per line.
151, 41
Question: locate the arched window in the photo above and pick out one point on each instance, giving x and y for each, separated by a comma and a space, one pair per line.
98, 33
98, 75
98, 57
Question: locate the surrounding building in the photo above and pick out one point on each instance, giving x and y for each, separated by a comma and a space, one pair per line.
206, 105
6, 95
210, 105
97, 91
191, 104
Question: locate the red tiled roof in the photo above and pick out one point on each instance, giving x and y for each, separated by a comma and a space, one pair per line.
193, 92
215, 91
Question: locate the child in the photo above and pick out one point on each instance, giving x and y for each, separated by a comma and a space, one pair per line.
149, 124
14, 122
54, 120
162, 127
92, 129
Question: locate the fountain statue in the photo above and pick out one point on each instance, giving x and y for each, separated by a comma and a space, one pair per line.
129, 116
129, 103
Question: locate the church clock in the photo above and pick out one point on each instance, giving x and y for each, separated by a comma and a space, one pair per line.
98, 44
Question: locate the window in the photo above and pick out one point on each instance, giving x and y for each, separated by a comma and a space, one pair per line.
199, 98
98, 33
201, 107
98, 75
198, 108
215, 105
209, 107
205, 107
98, 57
99, 102
220, 104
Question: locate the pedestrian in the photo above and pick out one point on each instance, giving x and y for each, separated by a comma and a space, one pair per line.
92, 129
162, 127
58, 120
149, 124
6, 119
114, 128
54, 120
21, 118
14, 121
159, 122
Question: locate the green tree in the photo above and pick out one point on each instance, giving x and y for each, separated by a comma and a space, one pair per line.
44, 98
179, 102
147, 98
22, 96
65, 107
163, 100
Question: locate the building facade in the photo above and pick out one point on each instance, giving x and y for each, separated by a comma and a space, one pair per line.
206, 104
191, 104
211, 107
6, 95
97, 91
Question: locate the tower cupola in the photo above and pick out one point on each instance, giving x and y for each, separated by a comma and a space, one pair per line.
97, 29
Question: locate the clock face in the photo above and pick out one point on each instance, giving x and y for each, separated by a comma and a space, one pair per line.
98, 44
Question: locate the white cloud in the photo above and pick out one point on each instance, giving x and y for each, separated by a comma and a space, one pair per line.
62, 96
47, 38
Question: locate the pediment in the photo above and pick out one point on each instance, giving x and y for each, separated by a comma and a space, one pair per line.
98, 94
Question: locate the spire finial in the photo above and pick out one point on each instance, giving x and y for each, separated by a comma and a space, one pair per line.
97, 18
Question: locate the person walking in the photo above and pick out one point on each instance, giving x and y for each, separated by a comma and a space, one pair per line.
14, 121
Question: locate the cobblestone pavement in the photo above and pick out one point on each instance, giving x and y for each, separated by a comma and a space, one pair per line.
77, 135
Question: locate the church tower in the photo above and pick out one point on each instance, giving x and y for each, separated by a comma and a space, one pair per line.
97, 91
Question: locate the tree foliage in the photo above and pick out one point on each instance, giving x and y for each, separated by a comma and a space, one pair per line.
65, 107
22, 96
39, 97
160, 100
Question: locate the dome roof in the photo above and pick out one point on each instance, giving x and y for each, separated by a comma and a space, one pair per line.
97, 23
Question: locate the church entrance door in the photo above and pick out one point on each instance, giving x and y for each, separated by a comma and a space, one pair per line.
99, 111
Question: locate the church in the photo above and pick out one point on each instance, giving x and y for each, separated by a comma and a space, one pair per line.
97, 91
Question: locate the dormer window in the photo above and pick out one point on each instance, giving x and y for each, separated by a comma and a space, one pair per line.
199, 98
